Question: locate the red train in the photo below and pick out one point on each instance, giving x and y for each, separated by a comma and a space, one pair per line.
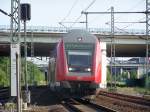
78, 61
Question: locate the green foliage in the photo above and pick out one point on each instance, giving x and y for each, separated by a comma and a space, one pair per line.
34, 74
108, 75
9, 106
124, 75
3, 78
133, 75
142, 90
4, 66
147, 82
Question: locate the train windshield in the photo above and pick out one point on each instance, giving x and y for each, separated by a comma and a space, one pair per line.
79, 61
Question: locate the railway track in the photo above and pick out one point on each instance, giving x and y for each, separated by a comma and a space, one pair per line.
120, 102
83, 105
131, 99
44, 99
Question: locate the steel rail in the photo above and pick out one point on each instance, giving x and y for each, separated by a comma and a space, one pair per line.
132, 99
83, 105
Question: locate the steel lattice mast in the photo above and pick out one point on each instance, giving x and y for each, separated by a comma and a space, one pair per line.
15, 51
147, 38
112, 45
15, 21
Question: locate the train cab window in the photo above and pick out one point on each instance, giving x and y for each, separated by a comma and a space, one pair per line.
79, 61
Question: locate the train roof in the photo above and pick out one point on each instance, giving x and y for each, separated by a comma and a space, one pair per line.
78, 35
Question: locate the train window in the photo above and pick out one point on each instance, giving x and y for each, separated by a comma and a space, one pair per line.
79, 60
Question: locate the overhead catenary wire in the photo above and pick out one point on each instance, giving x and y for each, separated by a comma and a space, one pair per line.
139, 21
76, 21
138, 3
82, 11
97, 16
89, 5
73, 5
120, 29
133, 7
131, 23
130, 12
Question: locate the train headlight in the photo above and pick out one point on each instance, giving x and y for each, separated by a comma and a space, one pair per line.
70, 69
88, 69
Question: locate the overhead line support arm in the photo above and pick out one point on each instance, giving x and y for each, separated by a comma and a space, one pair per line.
140, 12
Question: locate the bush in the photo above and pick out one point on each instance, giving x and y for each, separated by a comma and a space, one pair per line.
147, 82
33, 76
3, 78
108, 75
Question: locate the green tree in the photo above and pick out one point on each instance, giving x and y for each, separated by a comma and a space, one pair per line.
34, 74
133, 75
4, 71
108, 75
3, 78
124, 75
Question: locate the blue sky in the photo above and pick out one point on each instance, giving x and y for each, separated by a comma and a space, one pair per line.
51, 12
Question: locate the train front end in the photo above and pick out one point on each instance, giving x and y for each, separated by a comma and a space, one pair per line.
78, 59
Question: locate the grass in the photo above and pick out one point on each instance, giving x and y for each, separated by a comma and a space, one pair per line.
142, 90
133, 90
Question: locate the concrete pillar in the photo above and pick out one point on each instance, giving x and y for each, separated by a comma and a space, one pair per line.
121, 70
138, 72
103, 83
